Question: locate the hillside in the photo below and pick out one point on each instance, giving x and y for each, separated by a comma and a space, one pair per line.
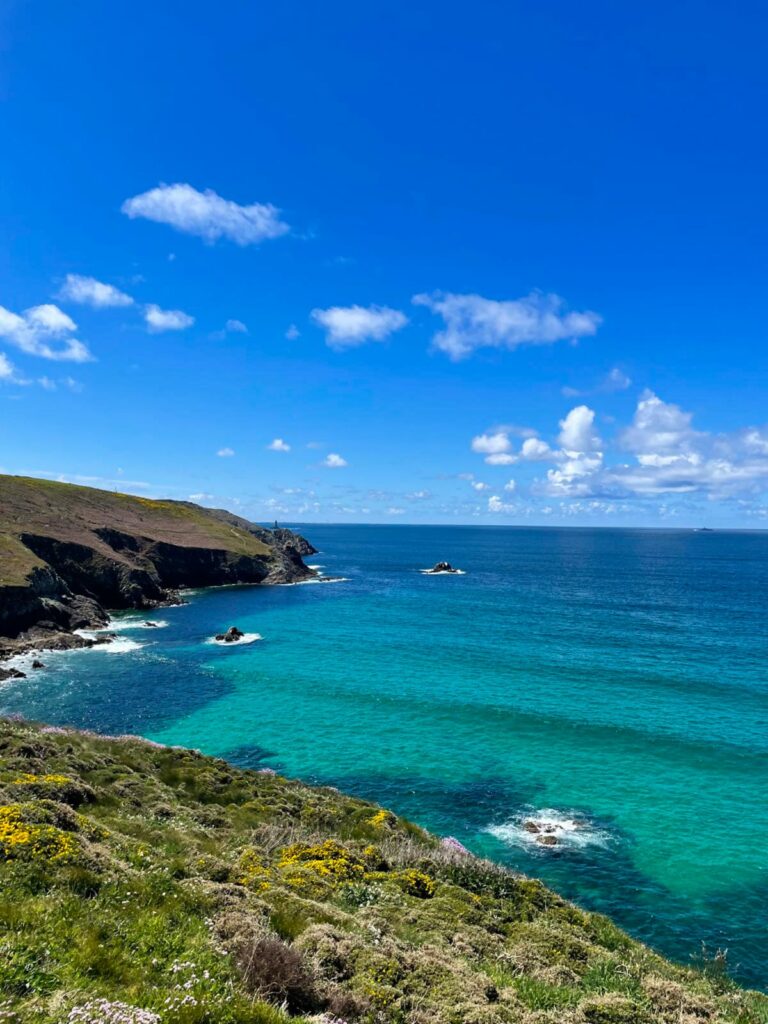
67, 553
148, 885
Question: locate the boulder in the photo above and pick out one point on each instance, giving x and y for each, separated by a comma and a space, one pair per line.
547, 840
232, 634
11, 673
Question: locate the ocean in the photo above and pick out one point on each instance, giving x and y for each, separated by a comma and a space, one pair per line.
609, 685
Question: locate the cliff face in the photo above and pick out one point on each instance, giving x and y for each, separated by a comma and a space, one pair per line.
67, 553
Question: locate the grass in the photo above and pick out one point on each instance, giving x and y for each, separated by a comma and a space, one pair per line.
69, 512
178, 889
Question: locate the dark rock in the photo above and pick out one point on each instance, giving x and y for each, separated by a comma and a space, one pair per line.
547, 840
150, 625
37, 664
531, 826
442, 567
232, 634
11, 673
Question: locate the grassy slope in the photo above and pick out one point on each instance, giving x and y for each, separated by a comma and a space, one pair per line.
68, 512
176, 883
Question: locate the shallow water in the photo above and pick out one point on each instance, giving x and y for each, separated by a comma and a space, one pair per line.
613, 678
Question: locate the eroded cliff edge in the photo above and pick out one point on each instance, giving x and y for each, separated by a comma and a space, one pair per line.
68, 553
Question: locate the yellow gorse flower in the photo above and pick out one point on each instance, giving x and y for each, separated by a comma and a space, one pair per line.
330, 860
20, 838
27, 779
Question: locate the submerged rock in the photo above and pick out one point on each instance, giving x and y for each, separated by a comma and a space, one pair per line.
547, 840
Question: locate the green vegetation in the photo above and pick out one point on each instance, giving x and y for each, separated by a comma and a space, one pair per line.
16, 561
148, 885
71, 513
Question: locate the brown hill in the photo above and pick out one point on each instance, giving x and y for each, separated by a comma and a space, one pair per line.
67, 553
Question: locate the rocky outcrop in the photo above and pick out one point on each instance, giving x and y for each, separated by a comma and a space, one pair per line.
87, 551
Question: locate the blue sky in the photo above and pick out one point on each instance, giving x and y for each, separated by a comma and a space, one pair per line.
498, 263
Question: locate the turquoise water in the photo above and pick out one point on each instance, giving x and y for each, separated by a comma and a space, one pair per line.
617, 677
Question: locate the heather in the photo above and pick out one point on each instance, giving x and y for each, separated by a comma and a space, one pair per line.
144, 884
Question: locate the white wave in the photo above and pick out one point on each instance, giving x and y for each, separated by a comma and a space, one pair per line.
443, 572
246, 638
317, 579
316, 567
538, 828
123, 624
118, 645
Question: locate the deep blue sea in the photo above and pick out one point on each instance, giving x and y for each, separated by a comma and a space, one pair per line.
611, 685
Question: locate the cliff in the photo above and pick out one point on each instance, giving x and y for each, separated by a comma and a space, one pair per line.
147, 885
68, 553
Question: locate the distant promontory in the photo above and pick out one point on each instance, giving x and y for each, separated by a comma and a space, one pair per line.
69, 553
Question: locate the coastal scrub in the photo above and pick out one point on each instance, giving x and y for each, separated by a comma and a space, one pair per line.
141, 884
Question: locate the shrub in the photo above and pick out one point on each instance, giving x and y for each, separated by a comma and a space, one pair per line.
276, 972
22, 837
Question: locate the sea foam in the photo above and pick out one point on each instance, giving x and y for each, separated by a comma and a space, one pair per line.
569, 829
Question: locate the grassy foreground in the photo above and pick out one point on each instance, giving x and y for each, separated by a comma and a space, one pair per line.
141, 884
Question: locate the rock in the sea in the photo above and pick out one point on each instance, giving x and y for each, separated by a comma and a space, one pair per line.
149, 624
531, 826
37, 664
11, 673
442, 567
547, 840
232, 634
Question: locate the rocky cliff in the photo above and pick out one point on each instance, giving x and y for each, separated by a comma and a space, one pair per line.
68, 553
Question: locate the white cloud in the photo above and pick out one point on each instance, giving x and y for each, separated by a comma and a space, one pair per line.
501, 459
158, 319
497, 504
510, 485
235, 327
569, 477
87, 291
473, 322
478, 485
225, 453
535, 450
7, 371
206, 214
658, 427
278, 445
614, 380
44, 331
418, 495
392, 511
576, 430
350, 326
491, 444
334, 461
292, 333
200, 496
